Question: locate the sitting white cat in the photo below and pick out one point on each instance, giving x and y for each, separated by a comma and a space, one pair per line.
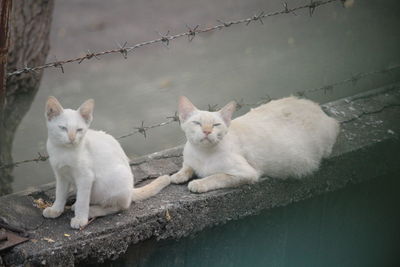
284, 138
93, 162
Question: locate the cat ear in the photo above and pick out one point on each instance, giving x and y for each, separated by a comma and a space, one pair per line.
227, 111
186, 108
53, 108
86, 110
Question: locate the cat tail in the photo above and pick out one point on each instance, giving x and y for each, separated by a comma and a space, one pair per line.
150, 189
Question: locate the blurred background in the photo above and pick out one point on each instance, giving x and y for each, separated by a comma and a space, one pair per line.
286, 54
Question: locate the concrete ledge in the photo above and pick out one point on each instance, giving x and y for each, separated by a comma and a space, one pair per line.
370, 127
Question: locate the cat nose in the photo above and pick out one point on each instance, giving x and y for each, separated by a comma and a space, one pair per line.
71, 136
206, 132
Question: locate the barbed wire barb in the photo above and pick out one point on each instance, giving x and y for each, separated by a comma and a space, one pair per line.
142, 130
258, 17
192, 32
212, 108
266, 99
165, 39
58, 64
34, 73
27, 69
240, 104
313, 5
89, 55
287, 10
224, 24
175, 118
123, 50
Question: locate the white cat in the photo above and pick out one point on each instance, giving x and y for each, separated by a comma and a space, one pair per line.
93, 162
284, 138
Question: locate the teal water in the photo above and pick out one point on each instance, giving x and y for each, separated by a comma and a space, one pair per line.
355, 226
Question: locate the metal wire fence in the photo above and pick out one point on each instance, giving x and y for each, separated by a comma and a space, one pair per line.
166, 39
190, 34
143, 128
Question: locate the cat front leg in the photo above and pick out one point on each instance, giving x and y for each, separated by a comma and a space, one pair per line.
62, 187
183, 175
218, 181
84, 187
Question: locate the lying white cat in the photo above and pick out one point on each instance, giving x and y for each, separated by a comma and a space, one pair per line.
284, 138
93, 162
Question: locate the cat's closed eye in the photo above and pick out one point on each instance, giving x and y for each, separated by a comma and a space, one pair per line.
79, 130
62, 127
196, 122
216, 124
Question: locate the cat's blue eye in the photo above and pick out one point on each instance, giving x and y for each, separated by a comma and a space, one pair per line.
63, 128
196, 122
79, 130
216, 124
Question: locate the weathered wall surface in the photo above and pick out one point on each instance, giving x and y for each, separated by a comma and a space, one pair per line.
370, 126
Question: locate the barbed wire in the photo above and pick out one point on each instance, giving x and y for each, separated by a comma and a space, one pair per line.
39, 158
165, 39
143, 128
355, 78
365, 113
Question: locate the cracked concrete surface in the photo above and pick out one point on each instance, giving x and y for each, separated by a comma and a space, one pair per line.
370, 126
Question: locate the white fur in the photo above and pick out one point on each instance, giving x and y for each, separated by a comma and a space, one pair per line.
284, 138
93, 162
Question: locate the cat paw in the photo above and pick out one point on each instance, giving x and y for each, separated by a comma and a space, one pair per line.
77, 222
197, 187
51, 212
178, 178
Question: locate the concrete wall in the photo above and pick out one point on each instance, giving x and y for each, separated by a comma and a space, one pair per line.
370, 126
